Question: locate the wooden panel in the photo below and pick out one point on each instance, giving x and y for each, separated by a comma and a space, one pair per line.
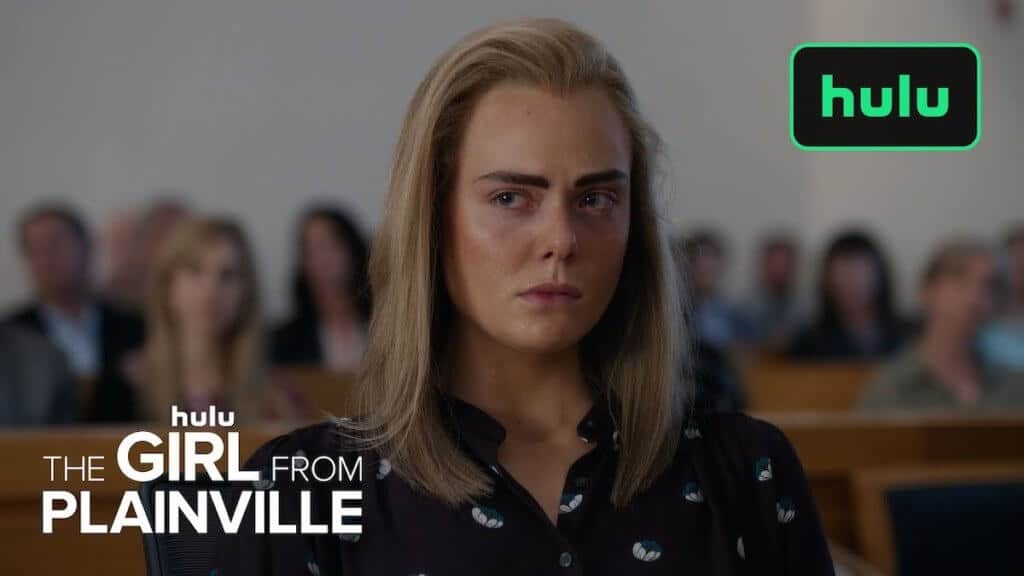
323, 394
870, 485
777, 385
830, 444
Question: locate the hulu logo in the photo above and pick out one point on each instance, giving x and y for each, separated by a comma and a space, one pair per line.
871, 96
832, 94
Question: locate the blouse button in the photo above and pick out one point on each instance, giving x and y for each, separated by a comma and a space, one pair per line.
565, 559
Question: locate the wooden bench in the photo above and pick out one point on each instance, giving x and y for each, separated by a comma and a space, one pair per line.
834, 446
870, 488
321, 393
778, 385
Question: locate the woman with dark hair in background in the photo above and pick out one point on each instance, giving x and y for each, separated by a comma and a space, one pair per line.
330, 297
856, 318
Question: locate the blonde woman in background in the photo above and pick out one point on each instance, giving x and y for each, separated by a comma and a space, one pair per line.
204, 341
942, 370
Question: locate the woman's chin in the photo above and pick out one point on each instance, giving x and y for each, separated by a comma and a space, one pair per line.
547, 341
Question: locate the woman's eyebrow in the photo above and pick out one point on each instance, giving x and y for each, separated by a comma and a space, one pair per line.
516, 178
533, 180
600, 177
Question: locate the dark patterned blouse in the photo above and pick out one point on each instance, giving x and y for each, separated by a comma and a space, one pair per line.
734, 501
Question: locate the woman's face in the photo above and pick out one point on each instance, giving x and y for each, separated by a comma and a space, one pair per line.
853, 281
207, 294
538, 216
325, 257
962, 300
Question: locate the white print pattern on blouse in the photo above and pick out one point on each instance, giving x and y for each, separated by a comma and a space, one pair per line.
570, 502
494, 468
312, 567
487, 517
763, 469
740, 549
383, 468
646, 550
691, 432
615, 440
786, 510
692, 493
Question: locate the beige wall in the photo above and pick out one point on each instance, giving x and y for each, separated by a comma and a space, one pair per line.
253, 107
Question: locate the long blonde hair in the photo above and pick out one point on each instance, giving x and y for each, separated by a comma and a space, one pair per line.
635, 349
242, 345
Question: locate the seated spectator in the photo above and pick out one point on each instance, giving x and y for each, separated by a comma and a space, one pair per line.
330, 295
36, 387
773, 315
205, 345
118, 268
131, 243
717, 383
716, 322
1002, 343
97, 338
942, 370
856, 318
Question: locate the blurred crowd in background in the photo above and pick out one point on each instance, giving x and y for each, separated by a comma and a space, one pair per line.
163, 307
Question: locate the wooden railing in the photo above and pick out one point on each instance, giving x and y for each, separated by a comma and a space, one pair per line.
778, 385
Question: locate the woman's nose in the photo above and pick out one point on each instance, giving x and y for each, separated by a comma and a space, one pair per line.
559, 233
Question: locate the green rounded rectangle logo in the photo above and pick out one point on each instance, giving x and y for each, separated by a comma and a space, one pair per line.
869, 96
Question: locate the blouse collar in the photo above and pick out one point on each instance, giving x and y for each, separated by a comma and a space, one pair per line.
482, 434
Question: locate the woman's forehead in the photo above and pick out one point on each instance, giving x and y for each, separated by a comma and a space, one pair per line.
530, 129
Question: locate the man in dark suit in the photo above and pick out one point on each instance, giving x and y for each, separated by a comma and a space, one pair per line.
36, 388
96, 338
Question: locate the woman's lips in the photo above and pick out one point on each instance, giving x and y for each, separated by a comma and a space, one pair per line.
551, 295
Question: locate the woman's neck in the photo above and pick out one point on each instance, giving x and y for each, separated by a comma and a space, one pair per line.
947, 352
333, 309
861, 321
950, 345
202, 367
533, 396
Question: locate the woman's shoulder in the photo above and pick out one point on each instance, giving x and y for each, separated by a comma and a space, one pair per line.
328, 438
737, 431
894, 381
740, 448
750, 468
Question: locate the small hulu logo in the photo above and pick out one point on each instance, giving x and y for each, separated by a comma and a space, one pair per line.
832, 94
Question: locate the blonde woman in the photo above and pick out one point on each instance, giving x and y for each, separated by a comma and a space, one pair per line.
942, 370
522, 409
204, 344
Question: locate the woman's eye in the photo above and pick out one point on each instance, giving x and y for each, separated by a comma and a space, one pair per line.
597, 200
508, 198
